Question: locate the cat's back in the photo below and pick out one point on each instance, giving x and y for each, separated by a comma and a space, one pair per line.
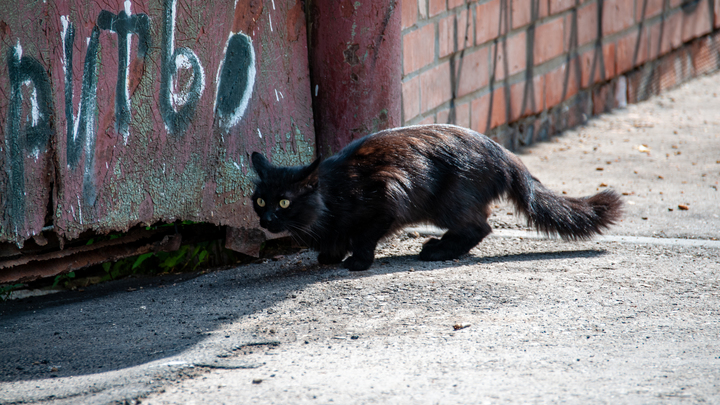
401, 144
422, 136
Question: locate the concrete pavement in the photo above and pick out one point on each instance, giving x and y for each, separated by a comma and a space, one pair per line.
631, 317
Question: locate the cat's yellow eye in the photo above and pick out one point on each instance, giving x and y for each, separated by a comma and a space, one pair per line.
260, 202
284, 203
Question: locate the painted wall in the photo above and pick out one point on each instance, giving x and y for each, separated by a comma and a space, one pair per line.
118, 113
484, 64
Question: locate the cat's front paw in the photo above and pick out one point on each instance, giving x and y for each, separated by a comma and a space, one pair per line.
434, 251
353, 263
431, 243
327, 258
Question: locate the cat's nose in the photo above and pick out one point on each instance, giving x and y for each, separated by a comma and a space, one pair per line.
270, 222
268, 219
270, 216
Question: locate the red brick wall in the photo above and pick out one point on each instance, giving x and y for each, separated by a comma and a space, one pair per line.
483, 64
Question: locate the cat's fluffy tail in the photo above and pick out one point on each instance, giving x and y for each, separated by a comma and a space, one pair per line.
552, 214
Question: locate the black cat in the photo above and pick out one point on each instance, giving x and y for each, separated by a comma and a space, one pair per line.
429, 174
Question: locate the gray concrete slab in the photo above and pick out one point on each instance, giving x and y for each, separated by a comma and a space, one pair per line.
631, 317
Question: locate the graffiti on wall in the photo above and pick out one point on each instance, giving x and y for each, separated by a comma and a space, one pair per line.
28, 138
235, 78
235, 83
178, 119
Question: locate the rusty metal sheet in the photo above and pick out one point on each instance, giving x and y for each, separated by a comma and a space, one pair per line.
154, 109
356, 69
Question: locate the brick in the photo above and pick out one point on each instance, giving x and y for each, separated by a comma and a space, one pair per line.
554, 84
602, 98
549, 40
534, 103
455, 3
479, 118
668, 75
617, 16
574, 79
522, 12
436, 7
634, 83
539, 83
558, 6
443, 117
672, 33
704, 60
653, 35
685, 65
446, 33
587, 23
527, 132
487, 21
609, 96
516, 98
579, 110
427, 120
505, 137
652, 8
586, 63
462, 116
643, 49
625, 58
609, 56
474, 73
481, 109
559, 81
409, 13
516, 60
697, 23
418, 48
411, 98
498, 114
435, 87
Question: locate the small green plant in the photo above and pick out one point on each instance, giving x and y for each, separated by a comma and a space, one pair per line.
140, 259
7, 290
187, 258
180, 259
63, 278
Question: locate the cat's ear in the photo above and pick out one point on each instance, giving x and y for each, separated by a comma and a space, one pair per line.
312, 167
309, 174
260, 164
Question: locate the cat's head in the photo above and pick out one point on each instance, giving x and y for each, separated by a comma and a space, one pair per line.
286, 198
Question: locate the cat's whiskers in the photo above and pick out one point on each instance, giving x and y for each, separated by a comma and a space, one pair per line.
303, 230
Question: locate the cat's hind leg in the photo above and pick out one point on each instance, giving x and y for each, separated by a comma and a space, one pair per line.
454, 243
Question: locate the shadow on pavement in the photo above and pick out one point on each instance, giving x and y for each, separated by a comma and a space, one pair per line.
130, 322
534, 256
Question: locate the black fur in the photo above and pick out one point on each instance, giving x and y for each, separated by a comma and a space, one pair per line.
433, 174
